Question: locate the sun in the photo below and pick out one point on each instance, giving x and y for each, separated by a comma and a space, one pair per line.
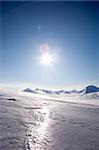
47, 59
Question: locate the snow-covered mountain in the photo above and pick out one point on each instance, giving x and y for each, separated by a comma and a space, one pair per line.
88, 89
42, 91
29, 90
76, 91
91, 89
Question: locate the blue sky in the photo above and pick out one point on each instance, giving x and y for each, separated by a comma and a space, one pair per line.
70, 29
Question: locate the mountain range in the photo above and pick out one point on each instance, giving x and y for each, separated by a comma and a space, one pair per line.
86, 90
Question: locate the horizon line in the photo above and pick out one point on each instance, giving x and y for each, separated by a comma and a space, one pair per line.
33, 86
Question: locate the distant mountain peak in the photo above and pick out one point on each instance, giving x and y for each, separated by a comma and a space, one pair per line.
91, 89
29, 90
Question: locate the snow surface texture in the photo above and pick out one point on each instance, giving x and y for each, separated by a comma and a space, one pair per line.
30, 121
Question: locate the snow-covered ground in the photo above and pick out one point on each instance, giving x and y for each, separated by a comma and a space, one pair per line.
30, 121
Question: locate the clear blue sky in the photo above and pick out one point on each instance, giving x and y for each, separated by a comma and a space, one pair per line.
71, 30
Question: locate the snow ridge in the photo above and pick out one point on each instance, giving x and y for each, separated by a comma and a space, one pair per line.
86, 90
